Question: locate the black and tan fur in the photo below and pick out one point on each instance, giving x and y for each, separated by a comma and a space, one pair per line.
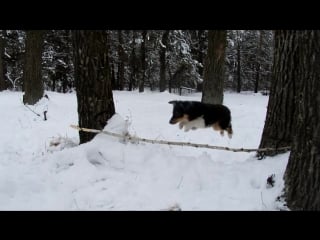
193, 115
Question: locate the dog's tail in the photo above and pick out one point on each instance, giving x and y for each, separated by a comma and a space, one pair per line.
229, 130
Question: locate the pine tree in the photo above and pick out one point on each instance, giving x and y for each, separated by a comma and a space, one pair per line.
143, 60
57, 61
249, 60
162, 53
13, 59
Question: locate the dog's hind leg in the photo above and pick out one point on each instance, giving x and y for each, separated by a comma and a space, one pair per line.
217, 127
229, 131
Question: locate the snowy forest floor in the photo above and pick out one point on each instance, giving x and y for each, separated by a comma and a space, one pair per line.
42, 166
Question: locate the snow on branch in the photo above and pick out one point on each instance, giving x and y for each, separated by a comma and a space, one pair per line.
162, 45
196, 145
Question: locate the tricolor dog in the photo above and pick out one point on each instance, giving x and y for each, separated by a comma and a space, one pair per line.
193, 115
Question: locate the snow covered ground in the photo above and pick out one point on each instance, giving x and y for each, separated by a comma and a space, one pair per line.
42, 167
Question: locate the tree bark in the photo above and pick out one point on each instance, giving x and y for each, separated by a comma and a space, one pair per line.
281, 112
214, 72
113, 78
163, 49
32, 76
2, 83
302, 176
93, 80
257, 80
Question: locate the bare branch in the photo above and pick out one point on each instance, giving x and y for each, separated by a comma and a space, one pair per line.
196, 145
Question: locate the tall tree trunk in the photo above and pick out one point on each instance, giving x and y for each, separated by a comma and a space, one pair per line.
93, 81
53, 87
281, 112
2, 83
214, 72
170, 79
302, 176
32, 77
64, 85
163, 49
121, 56
238, 68
258, 62
113, 78
256, 82
143, 61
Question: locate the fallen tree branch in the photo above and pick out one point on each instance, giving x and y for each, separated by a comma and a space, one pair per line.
32, 110
196, 145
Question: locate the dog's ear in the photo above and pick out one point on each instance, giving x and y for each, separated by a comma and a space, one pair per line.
173, 102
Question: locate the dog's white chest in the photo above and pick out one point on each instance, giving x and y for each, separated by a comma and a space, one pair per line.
194, 124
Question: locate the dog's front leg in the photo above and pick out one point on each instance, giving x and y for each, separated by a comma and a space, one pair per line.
181, 124
187, 126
